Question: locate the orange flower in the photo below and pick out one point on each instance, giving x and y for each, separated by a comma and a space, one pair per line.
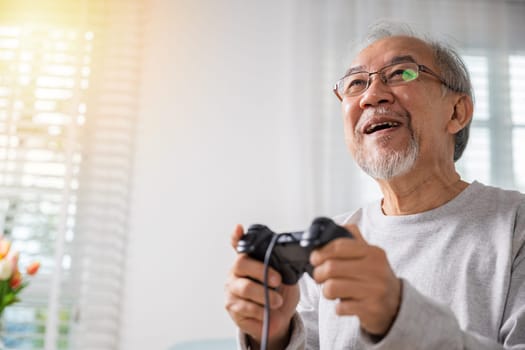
33, 268
16, 280
12, 281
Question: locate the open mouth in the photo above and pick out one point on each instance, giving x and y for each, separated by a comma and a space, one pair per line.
372, 128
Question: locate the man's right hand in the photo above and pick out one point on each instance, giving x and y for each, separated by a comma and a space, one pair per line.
245, 299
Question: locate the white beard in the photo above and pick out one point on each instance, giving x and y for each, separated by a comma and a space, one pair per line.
383, 162
387, 164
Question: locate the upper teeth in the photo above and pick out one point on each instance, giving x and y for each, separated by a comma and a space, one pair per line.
374, 126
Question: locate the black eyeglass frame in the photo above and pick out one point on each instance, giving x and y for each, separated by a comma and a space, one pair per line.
420, 68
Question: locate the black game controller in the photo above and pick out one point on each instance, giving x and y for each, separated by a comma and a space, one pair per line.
291, 253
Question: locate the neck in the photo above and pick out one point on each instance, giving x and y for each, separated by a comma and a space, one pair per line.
411, 194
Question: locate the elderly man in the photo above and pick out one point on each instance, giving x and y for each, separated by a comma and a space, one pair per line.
438, 263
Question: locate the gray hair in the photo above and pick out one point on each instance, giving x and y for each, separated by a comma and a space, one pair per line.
452, 68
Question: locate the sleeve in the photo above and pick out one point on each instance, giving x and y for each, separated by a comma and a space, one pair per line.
424, 324
512, 331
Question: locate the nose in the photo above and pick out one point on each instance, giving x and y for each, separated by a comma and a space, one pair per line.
378, 93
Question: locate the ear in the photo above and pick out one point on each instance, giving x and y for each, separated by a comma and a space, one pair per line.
462, 114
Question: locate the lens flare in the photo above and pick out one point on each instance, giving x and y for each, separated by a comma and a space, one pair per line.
409, 74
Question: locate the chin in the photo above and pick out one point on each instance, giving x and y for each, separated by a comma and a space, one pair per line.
386, 164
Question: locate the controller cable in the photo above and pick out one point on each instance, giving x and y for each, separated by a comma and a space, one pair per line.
266, 320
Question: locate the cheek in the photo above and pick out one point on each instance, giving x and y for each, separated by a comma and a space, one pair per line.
346, 107
404, 96
427, 119
350, 118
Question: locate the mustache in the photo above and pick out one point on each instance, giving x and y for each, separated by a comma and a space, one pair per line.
381, 111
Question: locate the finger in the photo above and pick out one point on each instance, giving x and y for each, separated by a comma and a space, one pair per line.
236, 235
253, 327
348, 307
247, 289
340, 268
340, 248
244, 266
241, 308
343, 289
248, 318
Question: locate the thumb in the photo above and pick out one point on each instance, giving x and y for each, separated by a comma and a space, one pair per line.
236, 235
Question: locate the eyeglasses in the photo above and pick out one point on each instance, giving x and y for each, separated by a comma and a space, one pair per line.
394, 74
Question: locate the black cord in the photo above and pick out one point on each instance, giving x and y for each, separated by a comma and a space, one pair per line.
266, 321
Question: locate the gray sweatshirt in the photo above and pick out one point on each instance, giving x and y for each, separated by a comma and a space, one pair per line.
463, 272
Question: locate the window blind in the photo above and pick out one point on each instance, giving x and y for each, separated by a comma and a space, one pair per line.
475, 162
68, 101
517, 96
488, 129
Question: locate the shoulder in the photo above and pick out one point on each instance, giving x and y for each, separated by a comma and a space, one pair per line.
506, 204
480, 188
494, 197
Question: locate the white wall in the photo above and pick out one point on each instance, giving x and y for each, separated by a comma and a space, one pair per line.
218, 144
